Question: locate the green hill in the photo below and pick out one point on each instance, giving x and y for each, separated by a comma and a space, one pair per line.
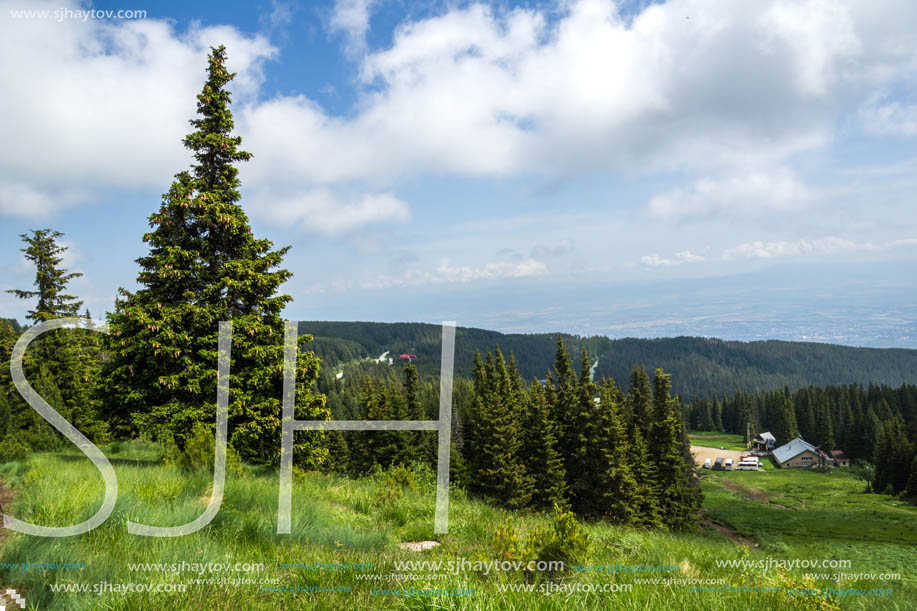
699, 366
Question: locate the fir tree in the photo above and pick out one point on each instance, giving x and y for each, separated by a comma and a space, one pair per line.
678, 499
412, 445
639, 400
564, 400
51, 280
584, 449
501, 476
620, 500
70, 357
911, 489
539, 451
205, 266
646, 495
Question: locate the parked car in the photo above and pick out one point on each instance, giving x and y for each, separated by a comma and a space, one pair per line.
728, 464
718, 465
707, 464
747, 465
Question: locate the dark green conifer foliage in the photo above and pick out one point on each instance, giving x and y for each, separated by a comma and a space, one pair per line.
911, 489
5, 420
620, 491
639, 400
584, 457
893, 455
412, 445
69, 357
784, 418
646, 506
565, 398
50, 279
679, 498
502, 477
539, 451
205, 266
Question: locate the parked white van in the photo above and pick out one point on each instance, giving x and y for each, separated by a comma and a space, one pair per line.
747, 465
728, 465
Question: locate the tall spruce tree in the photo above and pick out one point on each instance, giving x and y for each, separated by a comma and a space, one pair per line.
646, 496
65, 361
620, 500
564, 400
46, 253
679, 499
205, 266
639, 400
584, 457
412, 445
539, 451
501, 476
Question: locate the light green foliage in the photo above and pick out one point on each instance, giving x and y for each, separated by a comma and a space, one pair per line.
565, 539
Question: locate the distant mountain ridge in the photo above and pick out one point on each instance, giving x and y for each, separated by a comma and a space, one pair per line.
699, 366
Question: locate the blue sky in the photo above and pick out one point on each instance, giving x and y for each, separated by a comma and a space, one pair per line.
685, 167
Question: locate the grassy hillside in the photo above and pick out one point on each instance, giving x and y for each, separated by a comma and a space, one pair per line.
699, 366
341, 522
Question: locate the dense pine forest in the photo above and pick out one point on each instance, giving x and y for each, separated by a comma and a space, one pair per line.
700, 367
873, 423
534, 427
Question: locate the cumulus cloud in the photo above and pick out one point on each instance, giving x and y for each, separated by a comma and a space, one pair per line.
324, 211
747, 194
351, 18
823, 246
102, 104
446, 273
889, 117
680, 258
473, 91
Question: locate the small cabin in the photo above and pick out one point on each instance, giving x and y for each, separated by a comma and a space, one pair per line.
765, 442
840, 459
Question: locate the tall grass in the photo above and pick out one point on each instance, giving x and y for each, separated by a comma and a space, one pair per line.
339, 520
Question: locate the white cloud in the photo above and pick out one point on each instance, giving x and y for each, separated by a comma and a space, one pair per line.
747, 194
324, 211
479, 91
889, 117
446, 273
351, 17
823, 246
681, 257
474, 91
102, 104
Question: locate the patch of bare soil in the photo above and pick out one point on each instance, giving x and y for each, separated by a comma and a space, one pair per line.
725, 530
6, 497
754, 494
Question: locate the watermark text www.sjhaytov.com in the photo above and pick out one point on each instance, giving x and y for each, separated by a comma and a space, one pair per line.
64, 13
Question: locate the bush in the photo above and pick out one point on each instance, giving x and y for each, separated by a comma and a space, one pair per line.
564, 540
13, 449
199, 451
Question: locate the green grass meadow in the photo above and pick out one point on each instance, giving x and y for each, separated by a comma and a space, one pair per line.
715, 439
785, 514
